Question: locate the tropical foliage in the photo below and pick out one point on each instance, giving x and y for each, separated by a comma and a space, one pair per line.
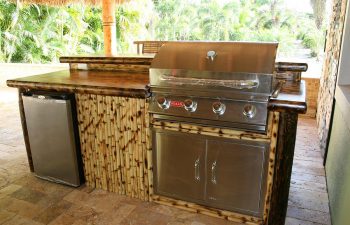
41, 34
34, 33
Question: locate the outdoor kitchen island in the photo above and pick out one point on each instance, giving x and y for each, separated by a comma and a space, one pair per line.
112, 98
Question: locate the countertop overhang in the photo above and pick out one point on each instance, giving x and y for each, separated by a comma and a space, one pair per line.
92, 82
290, 99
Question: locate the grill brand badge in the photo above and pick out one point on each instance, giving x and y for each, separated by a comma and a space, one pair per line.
177, 104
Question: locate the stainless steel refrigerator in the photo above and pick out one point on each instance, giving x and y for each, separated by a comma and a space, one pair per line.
53, 137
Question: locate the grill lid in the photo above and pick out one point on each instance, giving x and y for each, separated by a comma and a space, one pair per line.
240, 67
233, 57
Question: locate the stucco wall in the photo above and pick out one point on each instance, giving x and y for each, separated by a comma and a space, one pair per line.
338, 169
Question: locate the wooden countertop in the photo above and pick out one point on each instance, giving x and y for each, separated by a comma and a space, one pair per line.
94, 82
292, 98
135, 84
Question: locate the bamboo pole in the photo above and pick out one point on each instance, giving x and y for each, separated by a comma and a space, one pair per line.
115, 149
213, 212
109, 26
272, 161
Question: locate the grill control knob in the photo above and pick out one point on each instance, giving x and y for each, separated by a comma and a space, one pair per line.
249, 111
190, 105
163, 103
219, 108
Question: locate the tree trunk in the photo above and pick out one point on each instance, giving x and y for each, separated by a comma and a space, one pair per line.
319, 9
274, 16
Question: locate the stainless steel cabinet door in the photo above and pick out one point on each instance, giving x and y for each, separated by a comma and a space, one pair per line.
179, 161
236, 174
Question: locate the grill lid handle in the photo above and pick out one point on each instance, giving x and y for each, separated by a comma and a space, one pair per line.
236, 84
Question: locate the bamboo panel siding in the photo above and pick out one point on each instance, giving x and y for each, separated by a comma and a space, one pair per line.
114, 136
218, 213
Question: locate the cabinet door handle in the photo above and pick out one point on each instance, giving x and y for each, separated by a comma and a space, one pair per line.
196, 170
213, 173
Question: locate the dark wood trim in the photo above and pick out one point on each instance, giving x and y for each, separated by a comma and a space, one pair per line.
290, 107
24, 129
291, 99
283, 168
130, 59
110, 91
290, 67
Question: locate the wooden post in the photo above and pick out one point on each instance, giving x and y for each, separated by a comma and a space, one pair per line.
283, 168
109, 27
25, 130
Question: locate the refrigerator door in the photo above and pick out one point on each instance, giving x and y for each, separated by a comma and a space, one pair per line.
52, 139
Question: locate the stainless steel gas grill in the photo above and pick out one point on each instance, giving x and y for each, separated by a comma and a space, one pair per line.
220, 84
217, 85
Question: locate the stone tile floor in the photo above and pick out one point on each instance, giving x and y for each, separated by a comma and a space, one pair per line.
25, 199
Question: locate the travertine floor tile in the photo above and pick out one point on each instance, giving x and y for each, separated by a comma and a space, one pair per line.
5, 216
52, 212
63, 219
10, 189
102, 201
115, 216
24, 208
28, 195
43, 186
312, 216
83, 213
77, 197
5, 201
142, 216
293, 221
19, 220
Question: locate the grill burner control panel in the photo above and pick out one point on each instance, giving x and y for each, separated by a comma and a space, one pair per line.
216, 109
219, 108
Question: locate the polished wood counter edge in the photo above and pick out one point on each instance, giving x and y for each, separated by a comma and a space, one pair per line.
135, 59
290, 67
92, 82
290, 99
